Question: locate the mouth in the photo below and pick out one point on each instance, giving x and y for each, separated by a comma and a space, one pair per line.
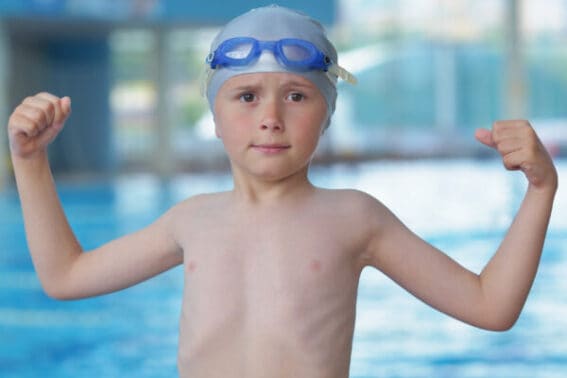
270, 148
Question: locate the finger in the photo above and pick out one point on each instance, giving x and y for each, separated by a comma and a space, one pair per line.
513, 160
49, 134
23, 144
28, 120
33, 105
511, 129
534, 170
484, 136
521, 154
510, 145
62, 106
60, 110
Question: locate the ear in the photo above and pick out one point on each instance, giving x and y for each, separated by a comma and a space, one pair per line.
325, 125
218, 131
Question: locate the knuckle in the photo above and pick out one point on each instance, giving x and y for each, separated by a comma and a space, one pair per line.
530, 132
16, 121
28, 100
50, 108
508, 161
38, 119
497, 132
45, 95
13, 121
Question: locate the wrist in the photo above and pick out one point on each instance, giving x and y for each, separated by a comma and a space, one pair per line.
548, 188
37, 161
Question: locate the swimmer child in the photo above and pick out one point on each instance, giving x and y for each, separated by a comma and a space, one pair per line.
272, 266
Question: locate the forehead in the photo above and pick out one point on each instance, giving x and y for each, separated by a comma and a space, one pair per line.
267, 78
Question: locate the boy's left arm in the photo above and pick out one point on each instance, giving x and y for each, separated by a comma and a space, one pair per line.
509, 275
494, 298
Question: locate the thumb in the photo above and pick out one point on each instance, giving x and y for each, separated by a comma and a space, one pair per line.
62, 111
61, 116
484, 136
65, 104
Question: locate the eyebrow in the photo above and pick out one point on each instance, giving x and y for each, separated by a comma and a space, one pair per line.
245, 88
296, 83
286, 84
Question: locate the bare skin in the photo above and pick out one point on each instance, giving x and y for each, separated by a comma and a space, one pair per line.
272, 267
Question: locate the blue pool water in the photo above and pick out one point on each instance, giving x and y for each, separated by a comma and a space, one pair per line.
462, 207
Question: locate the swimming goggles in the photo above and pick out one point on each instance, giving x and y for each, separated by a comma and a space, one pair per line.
295, 54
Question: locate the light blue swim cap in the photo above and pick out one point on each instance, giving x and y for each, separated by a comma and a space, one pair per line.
273, 23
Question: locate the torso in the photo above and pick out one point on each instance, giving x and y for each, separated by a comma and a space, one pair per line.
269, 292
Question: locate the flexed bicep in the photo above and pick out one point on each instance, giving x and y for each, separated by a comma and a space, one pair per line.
428, 273
123, 262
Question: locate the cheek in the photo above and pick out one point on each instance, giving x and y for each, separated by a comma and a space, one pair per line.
316, 122
320, 115
227, 123
308, 133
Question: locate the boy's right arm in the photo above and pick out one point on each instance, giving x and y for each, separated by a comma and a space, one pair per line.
64, 270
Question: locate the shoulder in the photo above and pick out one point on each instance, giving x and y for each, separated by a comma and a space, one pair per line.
352, 201
193, 215
199, 204
356, 217
355, 210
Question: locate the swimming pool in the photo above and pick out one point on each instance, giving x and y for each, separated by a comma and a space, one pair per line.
461, 206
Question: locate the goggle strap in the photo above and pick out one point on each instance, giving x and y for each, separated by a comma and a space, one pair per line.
205, 79
337, 70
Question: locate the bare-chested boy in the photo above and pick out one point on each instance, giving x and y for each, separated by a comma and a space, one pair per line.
272, 266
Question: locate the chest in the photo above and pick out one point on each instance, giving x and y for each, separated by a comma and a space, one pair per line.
280, 268
275, 252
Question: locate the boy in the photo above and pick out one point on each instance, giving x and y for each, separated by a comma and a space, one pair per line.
272, 266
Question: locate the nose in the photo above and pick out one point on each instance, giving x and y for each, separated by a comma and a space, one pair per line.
272, 116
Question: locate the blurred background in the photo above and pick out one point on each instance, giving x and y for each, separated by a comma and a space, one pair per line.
141, 139
430, 72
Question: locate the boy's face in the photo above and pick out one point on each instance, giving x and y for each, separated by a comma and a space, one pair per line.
270, 123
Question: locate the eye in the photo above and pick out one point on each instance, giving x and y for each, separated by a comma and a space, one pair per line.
247, 97
296, 97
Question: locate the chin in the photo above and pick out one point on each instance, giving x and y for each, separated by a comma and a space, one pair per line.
275, 174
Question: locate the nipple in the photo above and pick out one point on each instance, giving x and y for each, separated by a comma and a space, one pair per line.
315, 266
191, 266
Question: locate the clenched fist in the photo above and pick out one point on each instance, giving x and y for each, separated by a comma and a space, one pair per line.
521, 149
35, 123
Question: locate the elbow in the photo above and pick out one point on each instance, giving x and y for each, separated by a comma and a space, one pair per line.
54, 293
57, 291
58, 296
501, 323
61, 296
499, 327
59, 284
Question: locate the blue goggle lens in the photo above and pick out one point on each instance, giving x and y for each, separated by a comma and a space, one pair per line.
294, 53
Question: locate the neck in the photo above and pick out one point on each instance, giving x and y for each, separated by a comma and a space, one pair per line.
260, 191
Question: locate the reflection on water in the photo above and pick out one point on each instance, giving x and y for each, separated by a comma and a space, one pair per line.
462, 207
